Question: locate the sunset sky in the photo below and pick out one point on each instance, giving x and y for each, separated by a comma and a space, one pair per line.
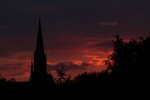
77, 33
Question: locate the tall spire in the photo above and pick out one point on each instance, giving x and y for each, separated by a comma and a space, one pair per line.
39, 45
39, 66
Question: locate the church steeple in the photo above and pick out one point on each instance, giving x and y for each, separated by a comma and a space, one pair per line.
39, 45
39, 67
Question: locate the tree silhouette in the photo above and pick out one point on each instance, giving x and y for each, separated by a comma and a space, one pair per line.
62, 77
129, 61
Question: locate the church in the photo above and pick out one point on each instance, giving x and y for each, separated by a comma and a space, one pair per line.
38, 72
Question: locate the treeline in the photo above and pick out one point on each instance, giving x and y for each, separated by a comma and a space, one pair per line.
128, 65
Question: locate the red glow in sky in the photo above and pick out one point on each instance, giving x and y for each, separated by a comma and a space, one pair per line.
77, 33
84, 59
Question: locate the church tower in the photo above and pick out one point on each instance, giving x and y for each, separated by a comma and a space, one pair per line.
38, 72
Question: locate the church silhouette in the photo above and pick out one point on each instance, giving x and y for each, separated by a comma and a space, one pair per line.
39, 73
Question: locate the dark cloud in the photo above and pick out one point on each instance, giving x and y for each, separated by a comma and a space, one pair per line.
75, 17
69, 18
12, 70
6, 67
69, 66
14, 74
108, 23
100, 44
4, 27
4, 53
